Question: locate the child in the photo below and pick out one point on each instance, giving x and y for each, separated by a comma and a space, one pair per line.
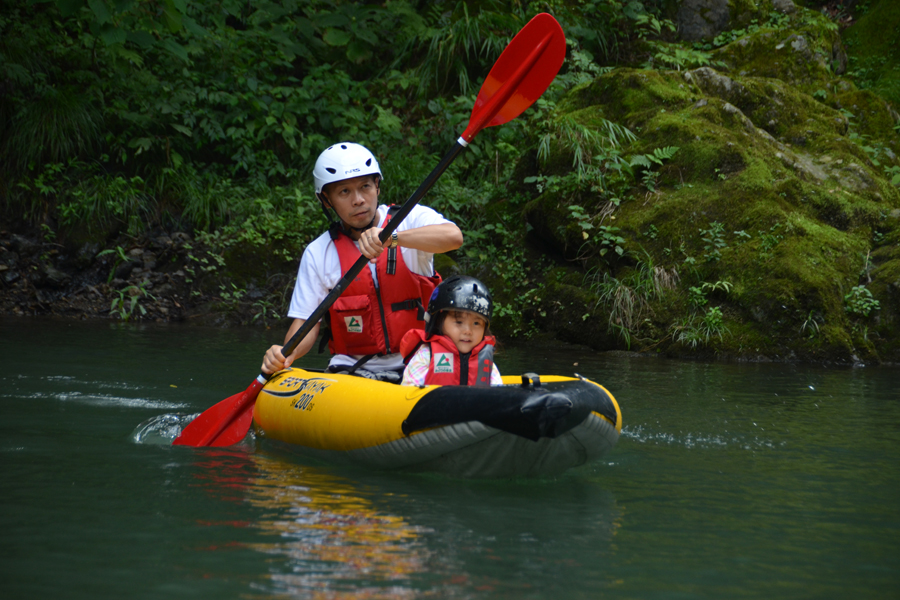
453, 349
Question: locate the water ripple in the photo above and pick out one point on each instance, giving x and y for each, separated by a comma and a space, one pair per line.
99, 400
692, 440
161, 429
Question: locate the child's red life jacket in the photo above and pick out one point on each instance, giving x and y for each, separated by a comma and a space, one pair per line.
447, 365
372, 320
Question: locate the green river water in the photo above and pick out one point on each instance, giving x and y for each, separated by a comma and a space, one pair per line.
729, 481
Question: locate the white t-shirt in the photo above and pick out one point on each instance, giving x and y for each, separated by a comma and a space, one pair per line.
320, 271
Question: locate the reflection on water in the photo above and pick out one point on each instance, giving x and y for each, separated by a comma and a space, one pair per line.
372, 536
329, 538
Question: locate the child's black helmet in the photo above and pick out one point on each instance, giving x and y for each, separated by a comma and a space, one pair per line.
459, 292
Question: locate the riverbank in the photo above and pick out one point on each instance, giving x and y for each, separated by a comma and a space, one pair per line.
155, 279
147, 278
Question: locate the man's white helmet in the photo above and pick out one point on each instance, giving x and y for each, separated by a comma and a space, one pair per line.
344, 161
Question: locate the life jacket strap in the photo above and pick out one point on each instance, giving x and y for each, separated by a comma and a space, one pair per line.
485, 366
411, 304
359, 363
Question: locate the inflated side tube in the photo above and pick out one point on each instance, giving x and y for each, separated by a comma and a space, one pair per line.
531, 411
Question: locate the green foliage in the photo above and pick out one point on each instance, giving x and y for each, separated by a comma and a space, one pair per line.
768, 240
697, 330
776, 21
810, 325
697, 294
128, 300
593, 149
647, 163
458, 44
627, 298
608, 239
649, 25
120, 257
674, 56
860, 302
714, 241
699, 327
874, 57
186, 111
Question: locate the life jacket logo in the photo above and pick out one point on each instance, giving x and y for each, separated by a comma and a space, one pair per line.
443, 362
354, 324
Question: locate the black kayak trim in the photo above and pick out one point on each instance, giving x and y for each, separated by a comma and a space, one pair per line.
532, 410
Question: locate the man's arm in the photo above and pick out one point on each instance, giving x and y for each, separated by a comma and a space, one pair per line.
435, 239
275, 361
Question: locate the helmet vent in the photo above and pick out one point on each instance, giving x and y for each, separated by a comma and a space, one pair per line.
343, 147
330, 170
369, 163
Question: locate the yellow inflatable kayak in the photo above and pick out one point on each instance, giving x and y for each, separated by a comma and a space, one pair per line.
530, 426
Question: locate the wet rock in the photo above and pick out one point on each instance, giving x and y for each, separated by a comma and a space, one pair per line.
24, 246
50, 276
161, 242
86, 254
784, 6
702, 19
714, 83
149, 260
124, 269
164, 290
8, 259
9, 276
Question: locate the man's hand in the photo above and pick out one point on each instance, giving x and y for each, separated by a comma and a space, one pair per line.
369, 244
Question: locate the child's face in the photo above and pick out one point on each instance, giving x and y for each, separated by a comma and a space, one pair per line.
465, 328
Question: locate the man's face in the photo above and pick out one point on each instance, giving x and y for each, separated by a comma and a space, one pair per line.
354, 200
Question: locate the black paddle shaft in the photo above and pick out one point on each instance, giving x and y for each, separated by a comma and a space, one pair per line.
360, 263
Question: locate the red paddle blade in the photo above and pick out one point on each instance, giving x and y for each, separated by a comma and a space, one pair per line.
225, 423
521, 74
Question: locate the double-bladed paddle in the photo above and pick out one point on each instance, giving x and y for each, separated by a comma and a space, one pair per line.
518, 78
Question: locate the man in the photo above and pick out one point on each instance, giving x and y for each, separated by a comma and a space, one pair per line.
385, 300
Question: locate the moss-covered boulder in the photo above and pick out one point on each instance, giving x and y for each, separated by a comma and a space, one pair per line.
773, 229
807, 54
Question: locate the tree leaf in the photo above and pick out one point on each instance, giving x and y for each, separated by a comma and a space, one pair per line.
100, 10
67, 8
113, 35
173, 17
192, 26
182, 129
358, 52
141, 39
176, 49
336, 37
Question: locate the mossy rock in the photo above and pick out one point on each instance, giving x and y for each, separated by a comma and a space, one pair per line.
790, 184
872, 116
808, 55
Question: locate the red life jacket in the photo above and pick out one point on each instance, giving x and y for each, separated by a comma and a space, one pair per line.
447, 366
372, 320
